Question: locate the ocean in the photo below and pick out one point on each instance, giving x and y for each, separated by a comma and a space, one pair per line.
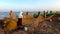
6, 14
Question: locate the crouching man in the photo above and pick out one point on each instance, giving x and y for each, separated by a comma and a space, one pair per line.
10, 23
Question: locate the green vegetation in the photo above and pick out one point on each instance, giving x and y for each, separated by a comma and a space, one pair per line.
47, 14
51, 13
35, 15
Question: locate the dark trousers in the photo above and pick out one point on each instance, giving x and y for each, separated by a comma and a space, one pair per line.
19, 23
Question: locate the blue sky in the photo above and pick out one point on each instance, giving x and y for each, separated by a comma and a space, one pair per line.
29, 4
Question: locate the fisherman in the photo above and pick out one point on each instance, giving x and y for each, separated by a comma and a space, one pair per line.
20, 19
11, 14
11, 22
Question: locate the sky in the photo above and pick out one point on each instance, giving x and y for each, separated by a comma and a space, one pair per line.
29, 5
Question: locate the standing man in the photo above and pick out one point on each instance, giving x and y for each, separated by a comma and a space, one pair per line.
20, 19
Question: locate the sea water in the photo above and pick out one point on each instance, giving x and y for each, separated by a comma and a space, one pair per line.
6, 14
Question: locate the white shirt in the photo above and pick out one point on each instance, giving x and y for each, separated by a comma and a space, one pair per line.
20, 15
